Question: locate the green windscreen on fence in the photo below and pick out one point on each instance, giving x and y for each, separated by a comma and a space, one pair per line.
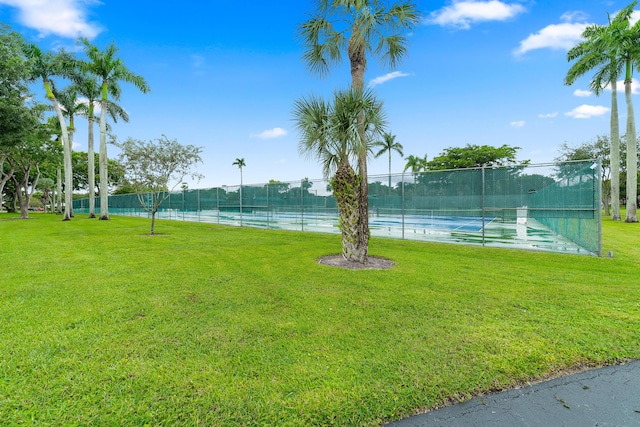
550, 207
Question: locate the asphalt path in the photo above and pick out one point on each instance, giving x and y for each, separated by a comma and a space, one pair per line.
608, 396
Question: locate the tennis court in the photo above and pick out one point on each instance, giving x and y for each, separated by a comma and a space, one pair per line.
550, 207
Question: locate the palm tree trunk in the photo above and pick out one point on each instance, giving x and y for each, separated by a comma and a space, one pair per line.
68, 173
91, 168
615, 154
358, 64
59, 191
632, 155
389, 168
345, 190
104, 180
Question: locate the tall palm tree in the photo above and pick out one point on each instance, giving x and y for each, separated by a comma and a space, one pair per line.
330, 132
240, 163
44, 67
361, 28
387, 145
71, 106
110, 70
625, 43
89, 88
594, 52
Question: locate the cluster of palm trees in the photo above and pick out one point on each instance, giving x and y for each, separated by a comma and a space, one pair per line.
341, 132
94, 83
613, 50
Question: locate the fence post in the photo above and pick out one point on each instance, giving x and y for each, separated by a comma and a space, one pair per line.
302, 204
403, 201
483, 206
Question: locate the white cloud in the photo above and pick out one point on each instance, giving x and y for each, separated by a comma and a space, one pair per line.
548, 115
462, 13
65, 18
383, 79
554, 36
587, 111
635, 86
518, 123
573, 16
582, 93
270, 133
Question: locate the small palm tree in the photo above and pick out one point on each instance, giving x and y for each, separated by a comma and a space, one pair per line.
110, 70
387, 145
240, 163
417, 164
330, 133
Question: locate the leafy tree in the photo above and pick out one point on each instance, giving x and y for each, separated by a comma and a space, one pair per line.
25, 159
16, 119
359, 28
599, 148
44, 67
387, 145
475, 156
81, 176
595, 52
46, 186
279, 186
330, 133
158, 166
110, 70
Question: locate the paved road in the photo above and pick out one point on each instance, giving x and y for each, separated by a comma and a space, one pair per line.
608, 396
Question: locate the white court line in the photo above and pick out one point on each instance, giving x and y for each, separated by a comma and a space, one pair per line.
473, 221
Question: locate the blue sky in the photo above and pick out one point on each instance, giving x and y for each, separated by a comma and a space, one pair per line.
225, 78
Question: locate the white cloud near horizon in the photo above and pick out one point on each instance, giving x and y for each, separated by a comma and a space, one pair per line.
582, 93
383, 79
461, 14
64, 18
548, 115
518, 123
270, 133
587, 111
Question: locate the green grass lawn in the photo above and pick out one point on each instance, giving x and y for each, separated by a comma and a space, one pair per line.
101, 324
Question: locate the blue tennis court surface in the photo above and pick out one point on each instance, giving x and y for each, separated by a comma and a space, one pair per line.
490, 231
449, 223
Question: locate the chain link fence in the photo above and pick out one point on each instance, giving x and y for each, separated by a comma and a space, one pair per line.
549, 207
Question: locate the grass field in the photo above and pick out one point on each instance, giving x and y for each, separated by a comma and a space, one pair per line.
101, 324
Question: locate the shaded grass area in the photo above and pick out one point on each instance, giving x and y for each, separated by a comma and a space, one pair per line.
103, 324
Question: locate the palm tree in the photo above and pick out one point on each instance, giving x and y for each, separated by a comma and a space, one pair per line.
594, 53
45, 66
387, 145
331, 134
240, 163
361, 28
71, 106
89, 88
110, 70
417, 164
625, 43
